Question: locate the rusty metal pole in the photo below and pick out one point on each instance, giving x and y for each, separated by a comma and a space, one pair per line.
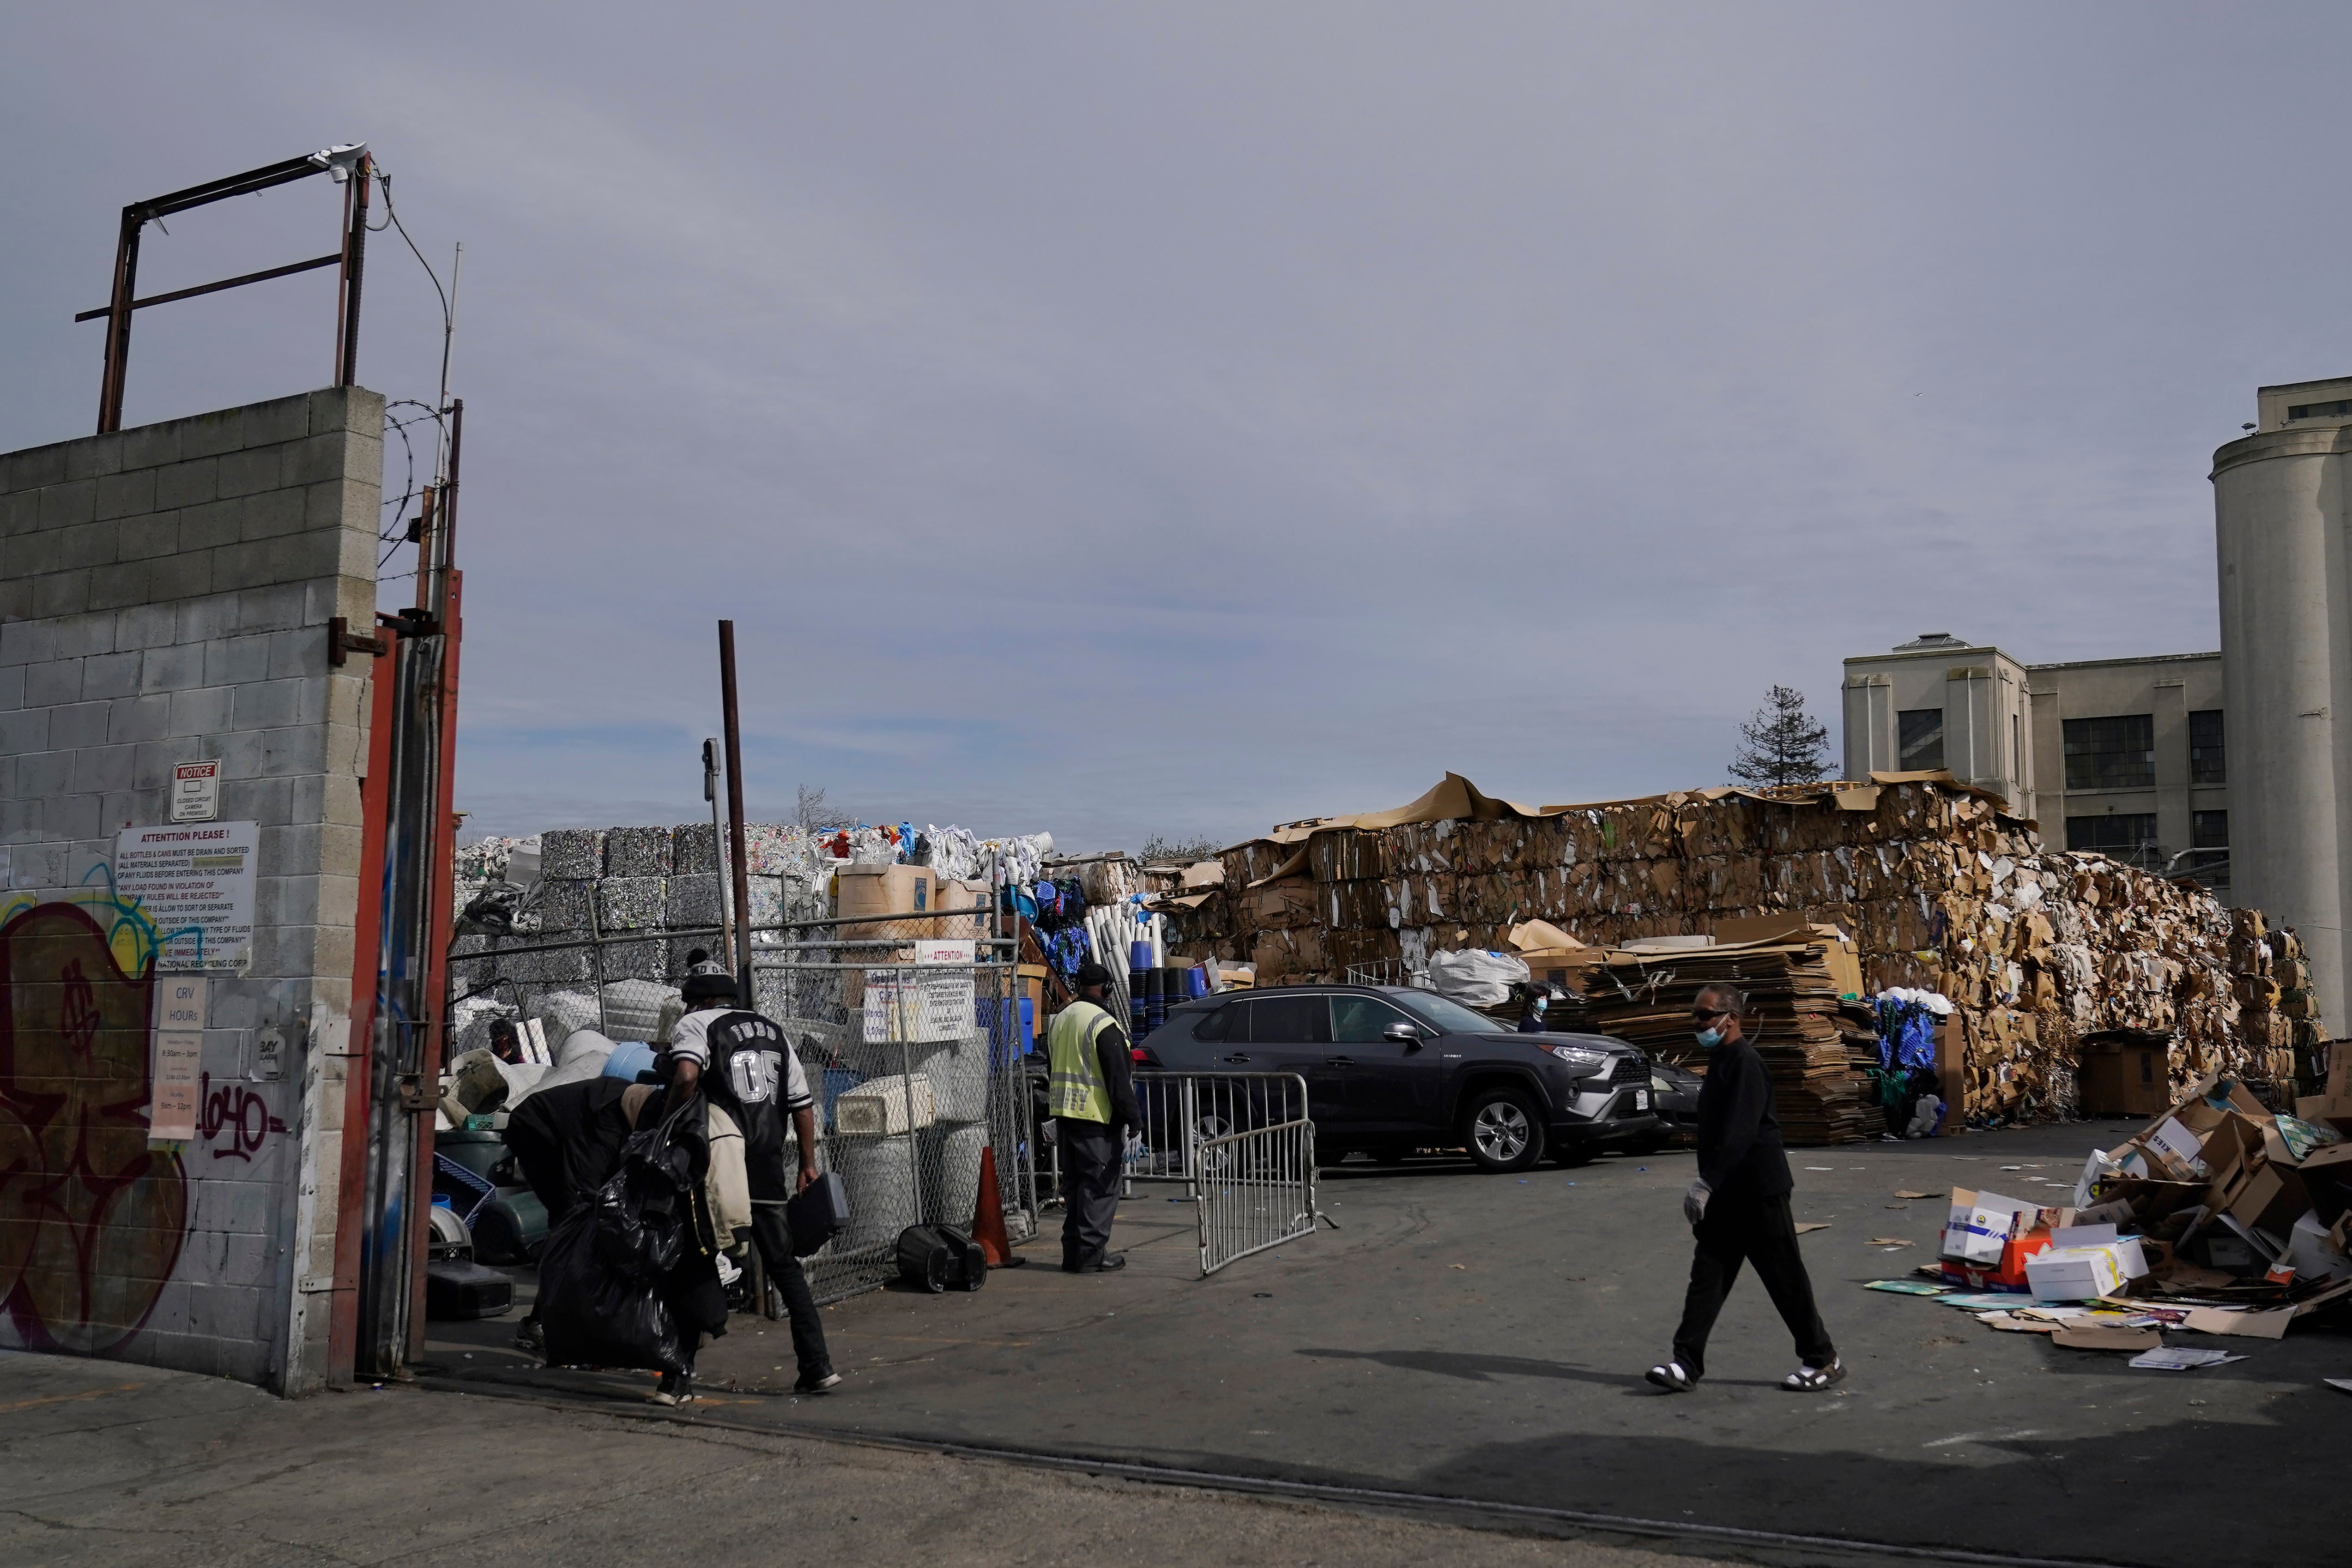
741, 879
439, 606
347, 330
118, 322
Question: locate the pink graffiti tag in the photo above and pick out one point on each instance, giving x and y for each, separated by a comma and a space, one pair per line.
237, 1110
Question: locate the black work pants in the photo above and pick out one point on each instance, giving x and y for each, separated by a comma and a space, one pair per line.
1758, 1230
772, 1234
1090, 1154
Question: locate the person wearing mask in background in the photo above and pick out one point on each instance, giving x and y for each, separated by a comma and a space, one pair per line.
753, 1073
1531, 1021
1738, 1208
1090, 1090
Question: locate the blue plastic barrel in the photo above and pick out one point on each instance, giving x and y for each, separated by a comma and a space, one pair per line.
629, 1058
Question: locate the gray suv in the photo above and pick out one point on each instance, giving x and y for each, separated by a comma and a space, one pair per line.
1391, 1069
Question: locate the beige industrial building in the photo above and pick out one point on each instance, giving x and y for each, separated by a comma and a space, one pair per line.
2280, 515
2122, 756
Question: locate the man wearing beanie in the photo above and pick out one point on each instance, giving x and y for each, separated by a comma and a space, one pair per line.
1091, 1092
750, 1070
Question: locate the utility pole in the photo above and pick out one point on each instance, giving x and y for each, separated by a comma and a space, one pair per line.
742, 879
718, 852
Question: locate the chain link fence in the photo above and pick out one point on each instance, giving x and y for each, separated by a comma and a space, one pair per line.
907, 1026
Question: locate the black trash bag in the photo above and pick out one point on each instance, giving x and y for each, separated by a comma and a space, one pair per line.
594, 1316
644, 1206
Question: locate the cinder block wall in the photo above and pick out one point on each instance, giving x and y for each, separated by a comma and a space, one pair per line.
165, 597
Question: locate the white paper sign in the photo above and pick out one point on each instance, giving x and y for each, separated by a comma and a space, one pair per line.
195, 883
179, 1059
195, 792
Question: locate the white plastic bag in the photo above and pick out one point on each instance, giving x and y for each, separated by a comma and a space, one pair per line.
1475, 978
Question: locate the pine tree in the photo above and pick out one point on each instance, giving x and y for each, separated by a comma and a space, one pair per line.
1782, 745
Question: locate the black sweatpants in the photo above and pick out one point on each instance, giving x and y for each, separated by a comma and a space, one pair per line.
773, 1235
1090, 1155
1759, 1230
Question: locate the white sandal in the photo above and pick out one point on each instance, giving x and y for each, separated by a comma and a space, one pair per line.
1814, 1379
1670, 1376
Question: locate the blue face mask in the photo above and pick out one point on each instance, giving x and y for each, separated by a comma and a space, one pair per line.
1710, 1038
1540, 1005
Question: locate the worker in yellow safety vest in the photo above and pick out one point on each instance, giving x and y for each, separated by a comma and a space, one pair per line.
1091, 1093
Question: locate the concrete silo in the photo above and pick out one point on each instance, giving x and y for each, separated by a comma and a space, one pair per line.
2279, 507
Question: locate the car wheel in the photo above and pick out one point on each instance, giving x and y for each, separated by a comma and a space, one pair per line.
1213, 1162
1503, 1130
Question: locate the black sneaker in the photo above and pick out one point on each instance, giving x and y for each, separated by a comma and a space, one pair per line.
674, 1388
1108, 1263
824, 1383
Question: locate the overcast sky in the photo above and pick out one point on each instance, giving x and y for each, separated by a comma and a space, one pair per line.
1177, 419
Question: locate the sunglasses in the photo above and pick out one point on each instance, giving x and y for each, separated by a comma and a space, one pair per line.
1700, 1015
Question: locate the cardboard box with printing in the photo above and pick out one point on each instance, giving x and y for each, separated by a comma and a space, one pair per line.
1982, 1225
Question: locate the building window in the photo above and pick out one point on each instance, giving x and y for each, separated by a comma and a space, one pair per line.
2117, 753
2208, 861
2206, 765
2320, 410
1921, 732
2126, 835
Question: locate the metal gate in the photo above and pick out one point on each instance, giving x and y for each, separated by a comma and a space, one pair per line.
1242, 1147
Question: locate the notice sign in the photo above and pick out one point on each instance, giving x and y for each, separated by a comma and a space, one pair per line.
195, 883
195, 792
179, 1059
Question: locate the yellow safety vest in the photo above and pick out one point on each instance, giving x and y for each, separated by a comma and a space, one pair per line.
1074, 1086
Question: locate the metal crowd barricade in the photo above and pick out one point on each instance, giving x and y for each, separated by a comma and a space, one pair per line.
1242, 1147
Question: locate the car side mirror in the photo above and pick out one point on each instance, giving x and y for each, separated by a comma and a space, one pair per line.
1405, 1034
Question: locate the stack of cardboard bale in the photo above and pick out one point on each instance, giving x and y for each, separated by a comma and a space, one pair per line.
1791, 1017
1937, 885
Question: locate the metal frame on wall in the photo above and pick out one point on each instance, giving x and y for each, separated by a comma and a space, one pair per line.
350, 167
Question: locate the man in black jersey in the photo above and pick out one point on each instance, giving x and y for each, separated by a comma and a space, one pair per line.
749, 1070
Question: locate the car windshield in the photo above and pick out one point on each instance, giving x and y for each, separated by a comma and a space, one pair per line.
1452, 1018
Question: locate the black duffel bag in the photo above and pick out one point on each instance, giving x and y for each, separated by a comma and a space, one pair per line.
937, 1258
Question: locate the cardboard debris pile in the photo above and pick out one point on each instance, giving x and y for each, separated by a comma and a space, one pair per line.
2218, 1217
1935, 885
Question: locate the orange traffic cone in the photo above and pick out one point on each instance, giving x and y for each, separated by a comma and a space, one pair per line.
988, 1217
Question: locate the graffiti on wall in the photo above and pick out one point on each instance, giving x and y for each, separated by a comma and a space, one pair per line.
234, 1119
92, 1219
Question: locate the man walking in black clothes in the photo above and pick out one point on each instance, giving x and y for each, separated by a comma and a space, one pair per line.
1738, 1208
752, 1073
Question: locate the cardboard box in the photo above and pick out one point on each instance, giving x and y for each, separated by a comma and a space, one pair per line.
1844, 959
885, 890
2006, 1273
2074, 1273
2176, 1146
2126, 1079
1981, 1225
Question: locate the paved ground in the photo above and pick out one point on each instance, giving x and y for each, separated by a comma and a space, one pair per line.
1482, 1338
130, 1468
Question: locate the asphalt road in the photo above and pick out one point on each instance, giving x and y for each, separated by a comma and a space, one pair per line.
111, 1466
1483, 1338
